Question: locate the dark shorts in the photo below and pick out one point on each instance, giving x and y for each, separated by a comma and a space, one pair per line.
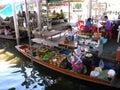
70, 38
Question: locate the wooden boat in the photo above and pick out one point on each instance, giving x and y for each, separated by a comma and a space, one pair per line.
7, 36
12, 36
24, 49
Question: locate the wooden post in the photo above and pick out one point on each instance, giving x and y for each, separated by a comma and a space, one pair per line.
38, 3
15, 23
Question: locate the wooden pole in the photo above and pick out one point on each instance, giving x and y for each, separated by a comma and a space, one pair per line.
89, 8
38, 3
69, 11
15, 22
27, 22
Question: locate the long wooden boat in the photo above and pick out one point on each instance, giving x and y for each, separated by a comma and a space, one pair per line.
23, 49
12, 36
7, 37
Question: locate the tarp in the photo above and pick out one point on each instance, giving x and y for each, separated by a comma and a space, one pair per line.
7, 11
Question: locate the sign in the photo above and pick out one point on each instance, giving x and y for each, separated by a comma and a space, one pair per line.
99, 6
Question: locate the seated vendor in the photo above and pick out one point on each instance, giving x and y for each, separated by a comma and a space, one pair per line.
62, 16
69, 33
88, 25
106, 26
54, 15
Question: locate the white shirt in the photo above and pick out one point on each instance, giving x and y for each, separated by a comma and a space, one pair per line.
69, 33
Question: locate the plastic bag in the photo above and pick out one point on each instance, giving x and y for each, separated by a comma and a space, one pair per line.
101, 64
104, 40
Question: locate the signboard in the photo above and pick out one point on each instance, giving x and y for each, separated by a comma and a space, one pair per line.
99, 6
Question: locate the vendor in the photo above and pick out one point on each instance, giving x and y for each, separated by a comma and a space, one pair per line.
54, 15
88, 25
106, 26
76, 60
69, 33
62, 16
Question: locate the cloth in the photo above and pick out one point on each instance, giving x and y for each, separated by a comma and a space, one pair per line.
69, 33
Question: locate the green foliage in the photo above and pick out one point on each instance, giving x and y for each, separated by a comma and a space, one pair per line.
46, 56
77, 6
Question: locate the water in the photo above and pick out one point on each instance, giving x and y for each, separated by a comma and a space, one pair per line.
22, 73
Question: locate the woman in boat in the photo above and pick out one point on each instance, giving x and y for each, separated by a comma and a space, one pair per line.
69, 33
76, 60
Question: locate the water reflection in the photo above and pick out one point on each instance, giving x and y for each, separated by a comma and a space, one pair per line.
31, 78
17, 74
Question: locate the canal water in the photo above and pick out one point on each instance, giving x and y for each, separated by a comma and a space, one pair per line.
21, 73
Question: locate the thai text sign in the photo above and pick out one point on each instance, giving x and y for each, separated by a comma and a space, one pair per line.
99, 6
